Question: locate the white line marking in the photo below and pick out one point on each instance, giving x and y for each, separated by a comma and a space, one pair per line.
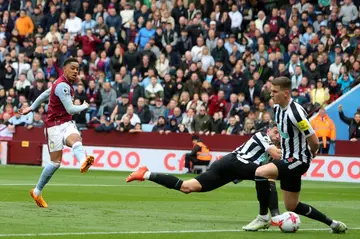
80, 185
146, 232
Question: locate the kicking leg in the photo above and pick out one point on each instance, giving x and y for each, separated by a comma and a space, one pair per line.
292, 203
45, 177
75, 142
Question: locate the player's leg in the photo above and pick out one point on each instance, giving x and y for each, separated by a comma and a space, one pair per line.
214, 178
55, 146
263, 189
73, 139
292, 203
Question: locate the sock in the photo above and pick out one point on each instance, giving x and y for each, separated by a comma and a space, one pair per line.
166, 180
147, 175
45, 177
263, 194
265, 217
274, 202
79, 151
313, 213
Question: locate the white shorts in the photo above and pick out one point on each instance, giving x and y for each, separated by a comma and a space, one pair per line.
56, 135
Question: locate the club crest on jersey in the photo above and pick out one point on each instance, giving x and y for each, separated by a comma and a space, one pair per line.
52, 144
303, 125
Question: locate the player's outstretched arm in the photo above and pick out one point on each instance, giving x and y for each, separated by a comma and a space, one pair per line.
44, 96
62, 91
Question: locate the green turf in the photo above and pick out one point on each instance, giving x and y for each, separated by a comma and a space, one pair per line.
103, 202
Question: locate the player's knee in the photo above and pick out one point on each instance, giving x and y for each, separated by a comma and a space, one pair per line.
56, 163
190, 186
260, 172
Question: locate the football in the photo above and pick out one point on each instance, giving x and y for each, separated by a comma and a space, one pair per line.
290, 222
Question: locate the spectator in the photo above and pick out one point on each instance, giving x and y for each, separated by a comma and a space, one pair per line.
106, 124
232, 128
113, 20
22, 86
354, 124
144, 35
37, 90
160, 125
143, 111
345, 81
136, 91
73, 24
334, 91
37, 121
320, 94
193, 85
121, 108
325, 130
188, 119
298, 98
217, 103
134, 118
125, 125
88, 24
80, 118
201, 121
348, 12
154, 90
172, 126
249, 128
24, 24
136, 129
120, 86
108, 96
88, 42
162, 65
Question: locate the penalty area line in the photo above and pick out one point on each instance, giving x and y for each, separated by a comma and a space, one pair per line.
147, 232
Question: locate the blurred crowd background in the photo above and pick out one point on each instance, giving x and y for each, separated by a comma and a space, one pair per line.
180, 66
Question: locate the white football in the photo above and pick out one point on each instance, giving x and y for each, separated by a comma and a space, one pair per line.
290, 222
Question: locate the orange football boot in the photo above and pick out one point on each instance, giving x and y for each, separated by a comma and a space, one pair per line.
87, 164
137, 175
38, 199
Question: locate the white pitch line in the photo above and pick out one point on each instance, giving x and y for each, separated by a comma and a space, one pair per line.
80, 185
146, 232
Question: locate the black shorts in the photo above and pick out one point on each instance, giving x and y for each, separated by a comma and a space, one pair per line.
290, 173
226, 170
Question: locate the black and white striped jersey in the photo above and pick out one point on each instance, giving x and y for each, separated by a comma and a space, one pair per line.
254, 150
294, 128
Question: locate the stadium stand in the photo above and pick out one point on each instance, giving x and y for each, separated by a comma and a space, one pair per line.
206, 64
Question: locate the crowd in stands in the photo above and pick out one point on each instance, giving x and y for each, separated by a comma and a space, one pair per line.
186, 66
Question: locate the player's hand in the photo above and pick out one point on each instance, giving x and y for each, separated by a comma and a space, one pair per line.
86, 104
25, 111
340, 108
353, 139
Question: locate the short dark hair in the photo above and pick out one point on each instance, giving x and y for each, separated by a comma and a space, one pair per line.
69, 61
272, 124
283, 82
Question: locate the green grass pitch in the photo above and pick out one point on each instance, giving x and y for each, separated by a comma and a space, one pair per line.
101, 205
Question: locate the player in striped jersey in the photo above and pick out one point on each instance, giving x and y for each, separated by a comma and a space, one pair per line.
299, 144
240, 164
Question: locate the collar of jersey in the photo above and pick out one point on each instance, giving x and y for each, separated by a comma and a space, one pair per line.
286, 107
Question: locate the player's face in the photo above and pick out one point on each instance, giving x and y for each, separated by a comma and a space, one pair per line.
71, 71
277, 94
274, 135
